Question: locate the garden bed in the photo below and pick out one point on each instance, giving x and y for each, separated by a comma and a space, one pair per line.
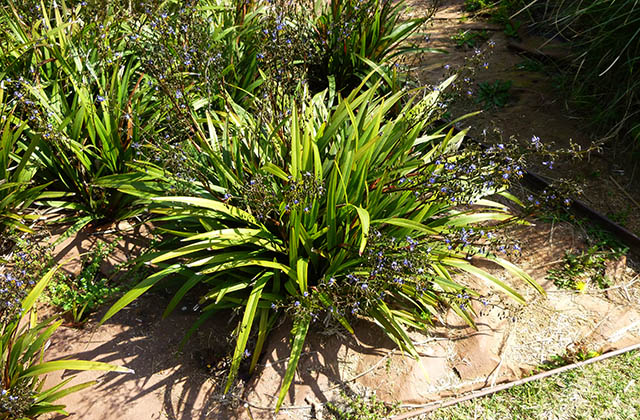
511, 342
592, 289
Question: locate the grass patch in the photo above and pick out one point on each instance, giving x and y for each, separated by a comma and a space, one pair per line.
605, 390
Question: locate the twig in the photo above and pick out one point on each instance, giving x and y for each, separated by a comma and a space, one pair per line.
547, 264
386, 356
631, 283
284, 407
276, 362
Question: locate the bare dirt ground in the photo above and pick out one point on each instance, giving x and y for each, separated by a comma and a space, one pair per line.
511, 340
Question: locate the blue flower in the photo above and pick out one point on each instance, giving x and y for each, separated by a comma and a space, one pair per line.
535, 140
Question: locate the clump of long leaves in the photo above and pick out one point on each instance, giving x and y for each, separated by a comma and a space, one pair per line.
356, 36
605, 38
291, 216
16, 173
23, 342
335, 44
86, 100
204, 49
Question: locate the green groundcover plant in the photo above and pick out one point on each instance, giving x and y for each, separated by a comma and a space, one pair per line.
80, 295
16, 173
344, 211
83, 97
23, 342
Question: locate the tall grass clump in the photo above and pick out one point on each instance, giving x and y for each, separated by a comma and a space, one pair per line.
332, 213
603, 77
335, 44
357, 36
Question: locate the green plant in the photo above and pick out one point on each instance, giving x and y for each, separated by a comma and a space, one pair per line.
620, 217
469, 38
347, 210
88, 116
359, 408
16, 173
574, 353
23, 340
82, 294
511, 28
577, 269
493, 95
476, 5
605, 42
530, 64
354, 37
217, 51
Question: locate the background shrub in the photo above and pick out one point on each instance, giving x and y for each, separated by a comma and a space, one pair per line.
605, 42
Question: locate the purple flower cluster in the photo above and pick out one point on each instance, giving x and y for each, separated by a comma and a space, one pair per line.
464, 176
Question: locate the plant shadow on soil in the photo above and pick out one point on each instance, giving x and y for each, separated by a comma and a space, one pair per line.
131, 241
321, 365
168, 384
188, 383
